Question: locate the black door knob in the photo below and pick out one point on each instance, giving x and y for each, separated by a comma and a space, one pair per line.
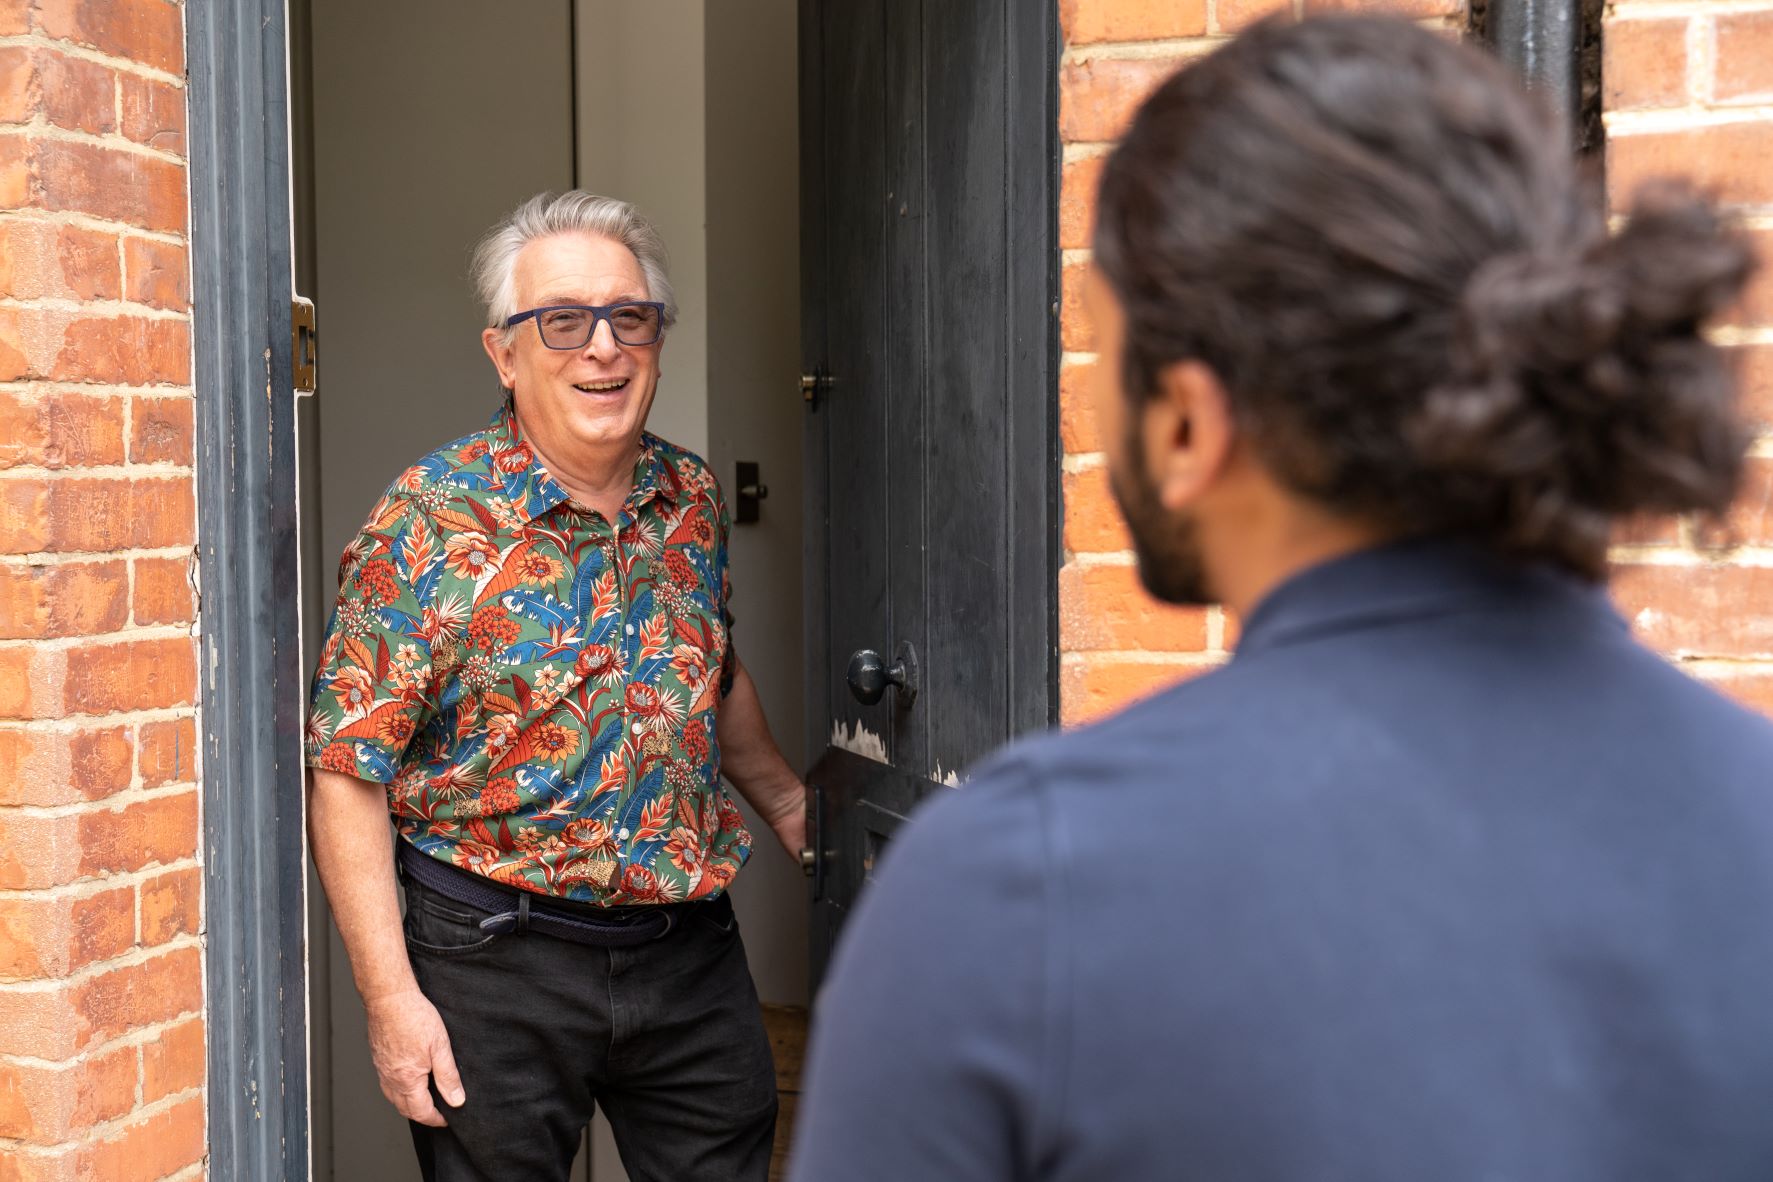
869, 675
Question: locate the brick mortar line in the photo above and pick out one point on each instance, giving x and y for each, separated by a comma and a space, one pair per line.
1074, 150
1215, 628
131, 959
86, 722
1709, 667
87, 887
1627, 11
1734, 335
1078, 358
111, 308
122, 65
41, 128
69, 557
1135, 656
136, 1036
97, 471
47, 389
116, 802
87, 221
1083, 461
1100, 558
1625, 124
1070, 256
106, 1129
122, 636
1154, 49
1739, 557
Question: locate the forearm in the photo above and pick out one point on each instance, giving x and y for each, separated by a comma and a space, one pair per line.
750, 758
353, 847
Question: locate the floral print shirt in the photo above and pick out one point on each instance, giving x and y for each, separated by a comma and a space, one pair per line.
537, 686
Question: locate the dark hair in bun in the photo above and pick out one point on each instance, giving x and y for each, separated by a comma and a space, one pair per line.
1384, 249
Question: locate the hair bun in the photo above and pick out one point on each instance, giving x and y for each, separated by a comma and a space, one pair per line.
1581, 380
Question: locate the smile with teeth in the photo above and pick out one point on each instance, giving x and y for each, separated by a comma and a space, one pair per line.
600, 387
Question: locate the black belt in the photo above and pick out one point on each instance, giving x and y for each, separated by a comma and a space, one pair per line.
517, 910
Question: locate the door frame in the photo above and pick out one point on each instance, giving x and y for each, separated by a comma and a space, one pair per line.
1032, 44
255, 920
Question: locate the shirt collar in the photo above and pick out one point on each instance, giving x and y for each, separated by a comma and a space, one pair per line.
1413, 579
655, 477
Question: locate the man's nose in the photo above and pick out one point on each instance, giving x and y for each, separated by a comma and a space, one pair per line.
602, 346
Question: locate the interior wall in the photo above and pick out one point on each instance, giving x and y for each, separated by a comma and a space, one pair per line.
429, 122
755, 412
641, 136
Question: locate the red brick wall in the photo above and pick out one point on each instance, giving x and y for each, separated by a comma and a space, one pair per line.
101, 986
1689, 87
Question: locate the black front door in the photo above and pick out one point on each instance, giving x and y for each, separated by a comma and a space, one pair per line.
930, 297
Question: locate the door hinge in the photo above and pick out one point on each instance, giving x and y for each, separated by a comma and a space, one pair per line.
304, 343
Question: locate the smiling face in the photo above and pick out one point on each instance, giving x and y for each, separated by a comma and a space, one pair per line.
574, 403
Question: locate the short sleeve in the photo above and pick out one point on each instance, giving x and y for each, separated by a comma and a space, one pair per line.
729, 662
372, 690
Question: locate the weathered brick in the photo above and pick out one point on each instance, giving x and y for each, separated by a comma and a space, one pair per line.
1077, 201
156, 273
151, 1148
71, 175
60, 345
62, 599
153, 113
1092, 520
162, 591
173, 1062
163, 829
1754, 690
49, 260
20, 93
163, 987
169, 905
15, 17
151, 33
166, 752
1103, 607
134, 675
1733, 160
1411, 9
1077, 408
32, 681
45, 1105
44, 766
76, 94
1750, 520
1743, 71
54, 935
94, 514
1076, 333
1755, 308
161, 431
1644, 63
1647, 531
60, 429
1234, 16
1096, 686
38, 851
1097, 96
1706, 610
1086, 21
1755, 379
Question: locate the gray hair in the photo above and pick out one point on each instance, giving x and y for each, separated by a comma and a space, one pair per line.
573, 212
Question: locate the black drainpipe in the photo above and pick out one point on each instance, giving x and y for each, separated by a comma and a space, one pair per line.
1542, 40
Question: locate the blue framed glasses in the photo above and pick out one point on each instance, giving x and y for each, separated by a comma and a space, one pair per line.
571, 326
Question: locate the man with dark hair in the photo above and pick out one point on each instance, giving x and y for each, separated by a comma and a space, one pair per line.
1443, 877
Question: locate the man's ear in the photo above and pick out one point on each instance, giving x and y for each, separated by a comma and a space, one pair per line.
1188, 433
493, 340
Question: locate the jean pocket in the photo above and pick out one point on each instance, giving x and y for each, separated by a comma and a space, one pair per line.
717, 917
435, 927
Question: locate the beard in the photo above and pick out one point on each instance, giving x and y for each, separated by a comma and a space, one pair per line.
1165, 544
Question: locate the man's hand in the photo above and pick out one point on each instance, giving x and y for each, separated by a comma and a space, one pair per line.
409, 1045
753, 762
789, 822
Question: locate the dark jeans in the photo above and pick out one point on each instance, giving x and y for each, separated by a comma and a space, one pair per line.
666, 1036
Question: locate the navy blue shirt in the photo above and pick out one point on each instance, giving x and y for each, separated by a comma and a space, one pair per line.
1443, 878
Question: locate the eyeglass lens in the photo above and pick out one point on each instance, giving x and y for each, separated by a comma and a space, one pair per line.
571, 328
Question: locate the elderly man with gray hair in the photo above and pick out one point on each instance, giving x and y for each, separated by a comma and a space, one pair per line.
530, 669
